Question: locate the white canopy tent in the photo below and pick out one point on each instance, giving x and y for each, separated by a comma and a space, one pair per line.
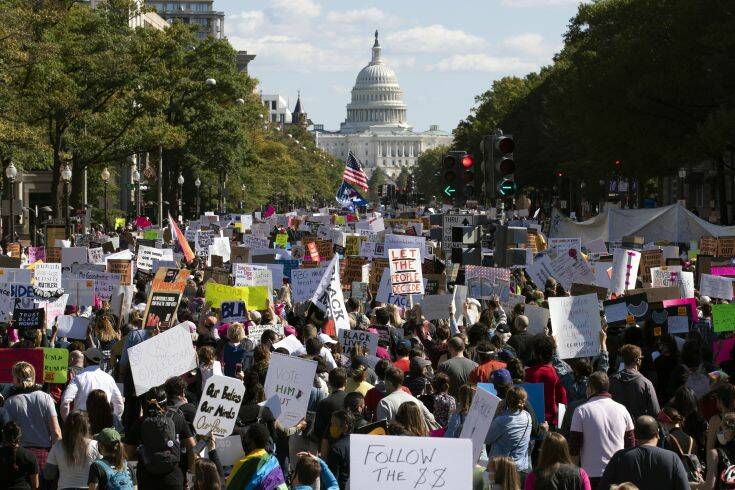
672, 223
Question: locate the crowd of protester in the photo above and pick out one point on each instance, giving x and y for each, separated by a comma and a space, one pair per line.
647, 412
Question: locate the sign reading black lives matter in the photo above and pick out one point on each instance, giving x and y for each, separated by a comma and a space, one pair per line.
219, 406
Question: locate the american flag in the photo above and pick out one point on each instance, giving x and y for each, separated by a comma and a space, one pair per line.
354, 174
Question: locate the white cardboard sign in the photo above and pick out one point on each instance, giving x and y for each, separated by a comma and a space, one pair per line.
478, 419
624, 270
304, 282
288, 386
219, 405
575, 321
419, 463
72, 327
168, 354
718, 287
405, 271
350, 337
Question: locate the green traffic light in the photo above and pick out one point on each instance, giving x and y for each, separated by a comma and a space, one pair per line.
449, 190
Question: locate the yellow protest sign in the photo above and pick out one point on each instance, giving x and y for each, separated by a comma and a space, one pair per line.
281, 240
55, 365
255, 297
341, 221
119, 223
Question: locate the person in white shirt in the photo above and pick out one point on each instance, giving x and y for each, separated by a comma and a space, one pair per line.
91, 378
397, 396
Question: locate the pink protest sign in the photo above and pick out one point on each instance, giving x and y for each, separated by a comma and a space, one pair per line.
8, 358
36, 253
723, 271
721, 349
691, 302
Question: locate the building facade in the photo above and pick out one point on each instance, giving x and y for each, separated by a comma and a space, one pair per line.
376, 127
199, 12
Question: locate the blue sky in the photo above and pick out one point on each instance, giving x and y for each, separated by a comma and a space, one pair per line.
444, 53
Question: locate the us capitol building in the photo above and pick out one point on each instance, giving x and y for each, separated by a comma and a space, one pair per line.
376, 129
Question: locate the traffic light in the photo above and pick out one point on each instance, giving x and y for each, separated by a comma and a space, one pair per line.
458, 176
504, 164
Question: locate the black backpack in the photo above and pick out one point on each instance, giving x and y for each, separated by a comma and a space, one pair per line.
160, 448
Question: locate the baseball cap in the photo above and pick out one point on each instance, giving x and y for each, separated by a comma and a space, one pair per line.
501, 376
93, 355
405, 343
108, 436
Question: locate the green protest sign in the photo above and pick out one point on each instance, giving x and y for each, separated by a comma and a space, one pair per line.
150, 234
723, 317
55, 365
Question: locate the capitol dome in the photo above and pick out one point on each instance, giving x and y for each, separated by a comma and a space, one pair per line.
377, 99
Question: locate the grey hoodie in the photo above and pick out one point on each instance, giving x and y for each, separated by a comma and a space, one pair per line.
634, 391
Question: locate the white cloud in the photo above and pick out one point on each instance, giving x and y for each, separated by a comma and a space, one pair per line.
531, 44
483, 63
369, 15
539, 3
245, 22
433, 39
293, 10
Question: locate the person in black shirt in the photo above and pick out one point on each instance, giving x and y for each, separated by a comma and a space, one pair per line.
136, 447
324, 410
355, 405
18, 466
521, 341
175, 388
338, 458
646, 465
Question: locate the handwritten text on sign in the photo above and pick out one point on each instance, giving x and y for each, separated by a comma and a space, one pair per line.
405, 271
288, 383
399, 462
219, 405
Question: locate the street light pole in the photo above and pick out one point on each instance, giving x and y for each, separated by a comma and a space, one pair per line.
11, 173
180, 181
66, 179
106, 179
197, 183
160, 186
136, 181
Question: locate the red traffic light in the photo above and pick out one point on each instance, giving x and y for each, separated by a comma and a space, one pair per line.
618, 163
560, 174
468, 161
505, 145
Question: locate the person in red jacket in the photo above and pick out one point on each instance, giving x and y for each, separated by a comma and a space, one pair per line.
544, 372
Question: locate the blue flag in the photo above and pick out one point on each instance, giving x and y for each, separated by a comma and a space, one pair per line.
348, 197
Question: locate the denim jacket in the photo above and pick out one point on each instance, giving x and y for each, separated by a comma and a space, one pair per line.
510, 435
577, 390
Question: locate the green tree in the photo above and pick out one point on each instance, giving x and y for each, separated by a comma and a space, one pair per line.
377, 179
428, 172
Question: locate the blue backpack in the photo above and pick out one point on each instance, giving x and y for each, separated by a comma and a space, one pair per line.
116, 480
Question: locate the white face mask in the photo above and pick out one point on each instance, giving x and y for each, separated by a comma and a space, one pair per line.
721, 438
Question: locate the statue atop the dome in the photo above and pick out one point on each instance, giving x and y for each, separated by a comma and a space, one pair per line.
376, 38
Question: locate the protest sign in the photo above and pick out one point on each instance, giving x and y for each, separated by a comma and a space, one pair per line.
575, 322
569, 267
349, 338
96, 255
721, 348
54, 309
718, 287
287, 387
170, 280
562, 245
252, 275
146, 255
124, 268
538, 318
22, 276
419, 463
28, 318
8, 293
255, 297
359, 291
72, 327
55, 365
723, 317
204, 238
73, 255
580, 289
8, 358
255, 332
80, 291
218, 406
540, 271
649, 259
690, 303
596, 246
35, 254
47, 277
405, 271
406, 242
628, 309
657, 295
161, 309
158, 358
478, 419
436, 307
328, 296
233, 311
290, 343
624, 270
666, 275
304, 282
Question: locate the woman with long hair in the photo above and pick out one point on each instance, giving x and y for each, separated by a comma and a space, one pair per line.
34, 410
409, 415
456, 420
103, 336
261, 359
555, 467
71, 457
510, 431
503, 474
112, 464
444, 403
18, 466
101, 415
205, 475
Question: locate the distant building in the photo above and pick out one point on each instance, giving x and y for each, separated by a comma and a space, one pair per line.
277, 106
376, 128
195, 12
